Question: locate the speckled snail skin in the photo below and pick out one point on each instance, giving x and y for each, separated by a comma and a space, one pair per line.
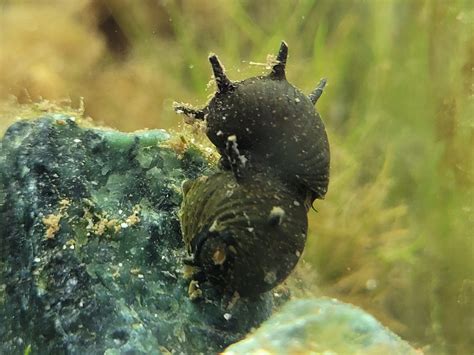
246, 225
266, 120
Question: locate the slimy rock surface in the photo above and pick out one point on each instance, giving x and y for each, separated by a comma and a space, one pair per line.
91, 253
321, 326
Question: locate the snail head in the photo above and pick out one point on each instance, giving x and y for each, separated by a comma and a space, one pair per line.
225, 87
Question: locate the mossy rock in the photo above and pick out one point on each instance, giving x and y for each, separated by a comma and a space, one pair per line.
91, 253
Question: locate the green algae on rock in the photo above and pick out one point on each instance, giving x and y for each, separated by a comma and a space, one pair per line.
91, 251
324, 326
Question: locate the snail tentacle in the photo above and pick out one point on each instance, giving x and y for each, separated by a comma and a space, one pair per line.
222, 81
189, 111
278, 70
316, 93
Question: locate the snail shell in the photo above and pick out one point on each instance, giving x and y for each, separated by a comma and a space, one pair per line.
265, 120
246, 236
246, 225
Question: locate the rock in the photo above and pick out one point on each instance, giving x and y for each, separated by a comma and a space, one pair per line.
322, 326
91, 257
90, 246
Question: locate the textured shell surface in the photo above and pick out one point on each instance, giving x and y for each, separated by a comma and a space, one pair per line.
265, 120
272, 123
246, 235
246, 225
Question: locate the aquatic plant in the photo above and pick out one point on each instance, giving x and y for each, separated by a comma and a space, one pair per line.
398, 217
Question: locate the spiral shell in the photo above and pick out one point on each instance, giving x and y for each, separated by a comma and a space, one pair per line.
246, 236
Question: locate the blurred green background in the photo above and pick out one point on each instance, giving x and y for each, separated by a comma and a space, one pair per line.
395, 233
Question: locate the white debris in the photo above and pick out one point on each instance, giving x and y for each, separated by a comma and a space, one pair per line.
276, 214
270, 277
243, 160
215, 226
371, 284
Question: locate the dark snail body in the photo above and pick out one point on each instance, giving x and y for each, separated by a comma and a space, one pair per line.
246, 225
246, 236
273, 124
266, 121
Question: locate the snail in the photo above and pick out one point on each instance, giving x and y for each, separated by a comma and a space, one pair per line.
245, 226
245, 236
265, 120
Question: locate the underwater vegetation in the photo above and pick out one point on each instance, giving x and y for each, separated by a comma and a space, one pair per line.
394, 234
